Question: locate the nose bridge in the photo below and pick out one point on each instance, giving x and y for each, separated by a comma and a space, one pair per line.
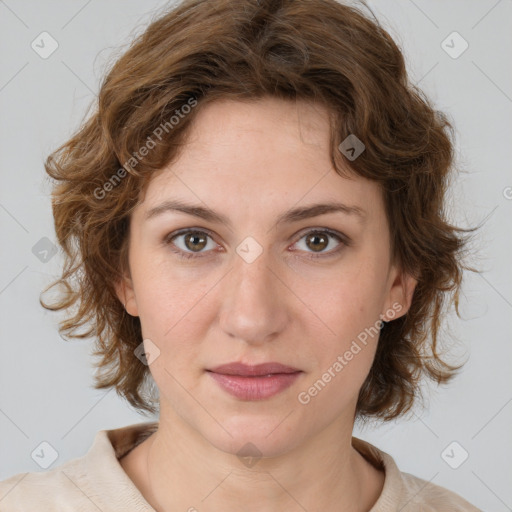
254, 308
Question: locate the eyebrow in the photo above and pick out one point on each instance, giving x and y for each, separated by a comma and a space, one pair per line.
289, 216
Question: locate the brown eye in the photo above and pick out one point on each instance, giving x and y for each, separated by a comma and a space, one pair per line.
317, 241
190, 243
195, 240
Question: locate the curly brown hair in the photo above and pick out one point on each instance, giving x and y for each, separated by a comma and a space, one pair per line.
203, 50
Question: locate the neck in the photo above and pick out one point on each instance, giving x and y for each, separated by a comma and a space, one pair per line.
186, 472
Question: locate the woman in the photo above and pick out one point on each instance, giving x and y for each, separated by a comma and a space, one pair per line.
254, 216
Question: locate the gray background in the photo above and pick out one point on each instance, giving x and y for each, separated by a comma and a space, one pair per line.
46, 383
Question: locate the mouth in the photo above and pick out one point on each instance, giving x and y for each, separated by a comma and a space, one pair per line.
259, 370
254, 382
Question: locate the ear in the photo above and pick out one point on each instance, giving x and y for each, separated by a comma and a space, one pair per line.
400, 293
126, 294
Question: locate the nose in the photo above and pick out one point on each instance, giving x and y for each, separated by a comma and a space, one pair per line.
254, 301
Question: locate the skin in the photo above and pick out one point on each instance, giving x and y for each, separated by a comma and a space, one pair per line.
251, 162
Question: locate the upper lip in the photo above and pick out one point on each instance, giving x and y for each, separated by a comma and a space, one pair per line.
253, 370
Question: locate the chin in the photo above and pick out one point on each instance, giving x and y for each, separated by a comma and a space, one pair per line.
268, 436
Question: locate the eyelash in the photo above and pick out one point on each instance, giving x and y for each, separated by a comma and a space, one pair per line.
344, 241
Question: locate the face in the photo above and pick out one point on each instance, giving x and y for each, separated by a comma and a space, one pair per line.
253, 285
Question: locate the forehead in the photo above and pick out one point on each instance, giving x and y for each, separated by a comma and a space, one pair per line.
258, 155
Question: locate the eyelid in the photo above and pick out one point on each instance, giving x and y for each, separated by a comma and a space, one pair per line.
333, 232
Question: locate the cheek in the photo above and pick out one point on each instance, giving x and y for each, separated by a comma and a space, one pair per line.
346, 322
168, 294
344, 354
352, 300
175, 311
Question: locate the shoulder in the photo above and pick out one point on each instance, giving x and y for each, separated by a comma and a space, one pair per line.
408, 493
430, 497
45, 490
95, 481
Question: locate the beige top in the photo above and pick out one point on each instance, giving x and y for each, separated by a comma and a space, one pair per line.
97, 482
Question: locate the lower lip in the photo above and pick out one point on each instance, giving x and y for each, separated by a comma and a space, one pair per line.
255, 388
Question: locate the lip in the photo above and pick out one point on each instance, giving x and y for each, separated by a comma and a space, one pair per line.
257, 382
245, 370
